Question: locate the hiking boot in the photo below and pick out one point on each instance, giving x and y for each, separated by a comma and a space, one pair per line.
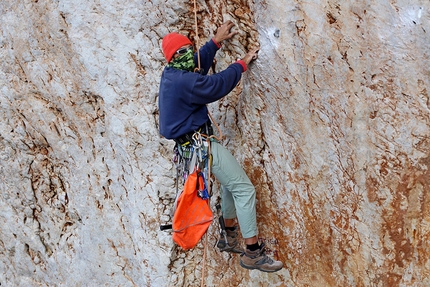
259, 260
232, 243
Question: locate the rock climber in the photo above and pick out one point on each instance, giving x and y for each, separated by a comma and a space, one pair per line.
183, 96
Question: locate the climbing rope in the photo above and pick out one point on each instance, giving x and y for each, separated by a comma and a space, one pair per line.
198, 69
197, 39
208, 138
209, 159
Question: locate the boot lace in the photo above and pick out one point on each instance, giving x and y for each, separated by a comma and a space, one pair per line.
265, 259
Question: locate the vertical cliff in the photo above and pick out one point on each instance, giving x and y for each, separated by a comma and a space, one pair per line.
331, 123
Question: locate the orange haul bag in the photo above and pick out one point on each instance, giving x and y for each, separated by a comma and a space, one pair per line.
193, 214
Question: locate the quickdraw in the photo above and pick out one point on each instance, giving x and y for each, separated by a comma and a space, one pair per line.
191, 155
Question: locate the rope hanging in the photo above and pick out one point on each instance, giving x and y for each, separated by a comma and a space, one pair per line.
197, 38
209, 154
208, 138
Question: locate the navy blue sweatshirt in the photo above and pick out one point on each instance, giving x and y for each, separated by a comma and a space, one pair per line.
183, 95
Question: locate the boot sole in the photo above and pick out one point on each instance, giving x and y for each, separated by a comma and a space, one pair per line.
230, 249
256, 268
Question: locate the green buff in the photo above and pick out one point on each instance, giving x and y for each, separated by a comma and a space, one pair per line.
184, 62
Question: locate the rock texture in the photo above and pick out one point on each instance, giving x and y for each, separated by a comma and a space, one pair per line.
332, 124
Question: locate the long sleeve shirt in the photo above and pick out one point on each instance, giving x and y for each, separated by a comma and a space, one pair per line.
183, 95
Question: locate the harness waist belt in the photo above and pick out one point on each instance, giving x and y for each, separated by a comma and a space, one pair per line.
187, 138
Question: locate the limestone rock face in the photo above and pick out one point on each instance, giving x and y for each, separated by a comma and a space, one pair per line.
331, 123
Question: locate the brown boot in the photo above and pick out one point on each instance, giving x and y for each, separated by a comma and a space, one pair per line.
232, 244
259, 260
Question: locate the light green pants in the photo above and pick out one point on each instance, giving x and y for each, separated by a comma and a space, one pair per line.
238, 193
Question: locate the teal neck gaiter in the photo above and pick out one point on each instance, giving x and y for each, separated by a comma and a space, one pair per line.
184, 62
